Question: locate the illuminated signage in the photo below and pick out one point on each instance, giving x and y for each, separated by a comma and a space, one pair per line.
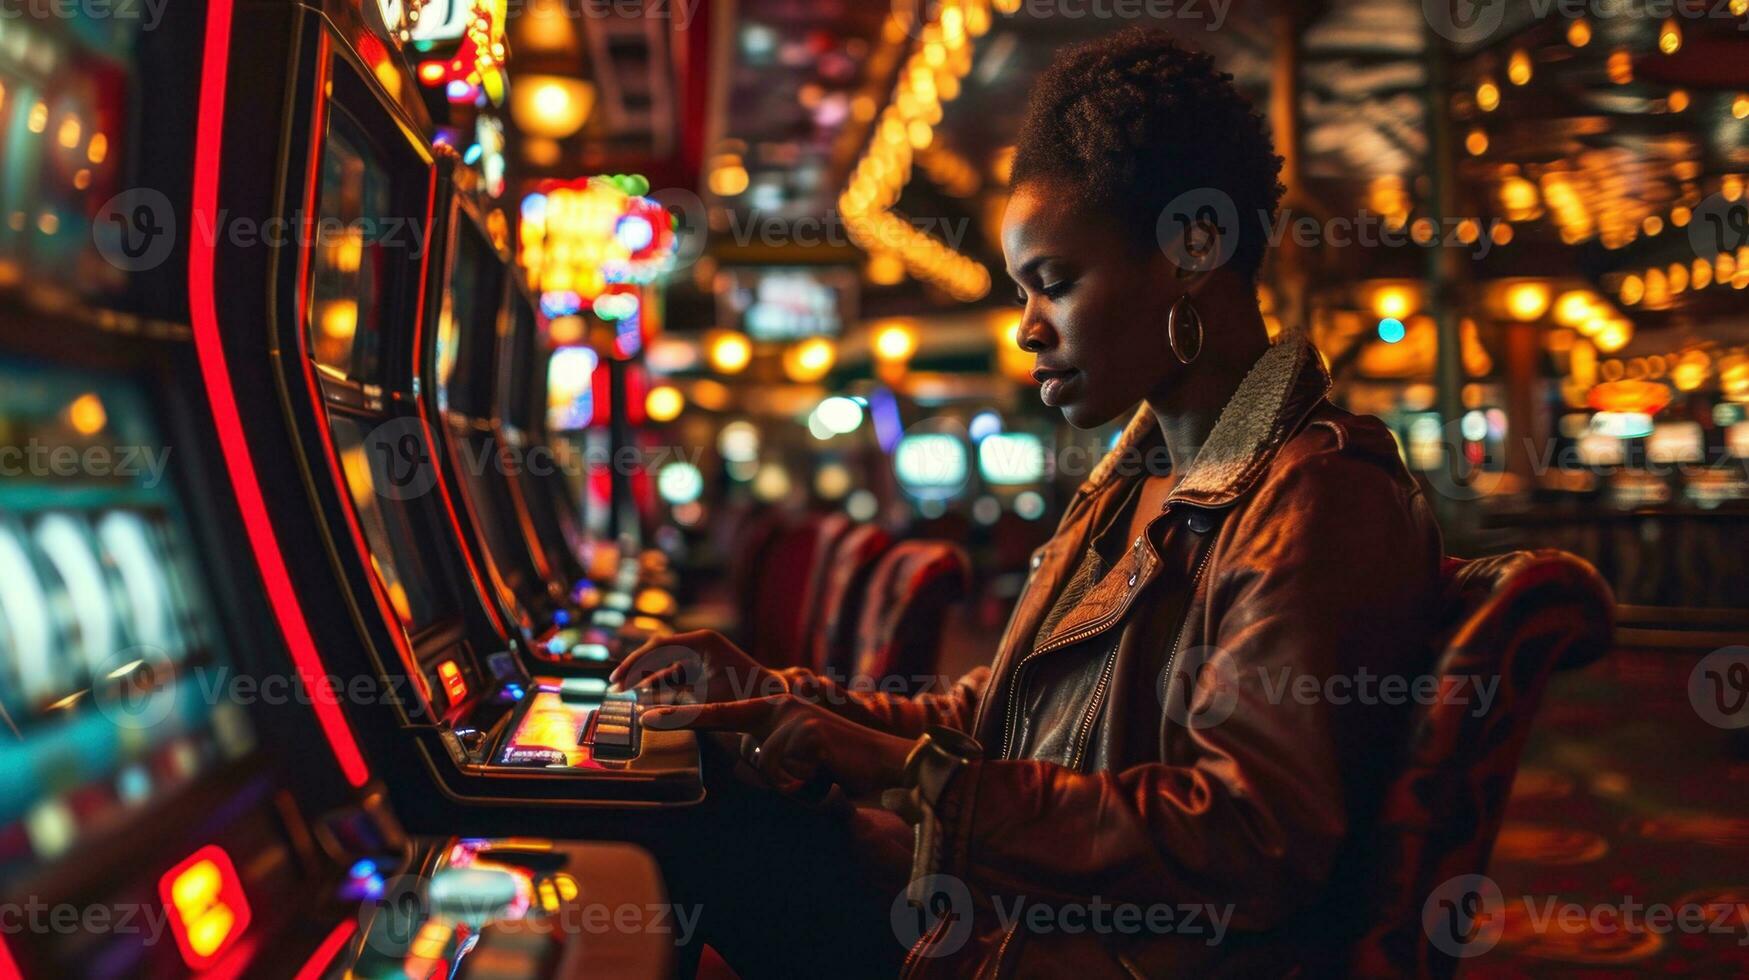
207, 909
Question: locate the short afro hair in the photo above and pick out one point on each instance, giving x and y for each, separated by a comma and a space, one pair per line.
1132, 120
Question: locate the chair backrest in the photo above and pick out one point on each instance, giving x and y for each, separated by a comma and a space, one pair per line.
899, 633
827, 535
780, 584
833, 641
1513, 618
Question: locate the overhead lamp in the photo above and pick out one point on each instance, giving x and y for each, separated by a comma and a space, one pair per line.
1527, 301
551, 106
1574, 307
1393, 302
730, 353
809, 360
895, 342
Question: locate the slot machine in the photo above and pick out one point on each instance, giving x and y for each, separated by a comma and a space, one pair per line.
317, 333
471, 379
166, 807
639, 587
181, 792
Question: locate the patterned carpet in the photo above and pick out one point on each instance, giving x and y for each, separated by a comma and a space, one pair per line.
1627, 803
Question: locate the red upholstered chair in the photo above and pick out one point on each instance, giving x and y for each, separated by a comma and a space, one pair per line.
844, 586
752, 543
1516, 617
781, 579
829, 532
898, 637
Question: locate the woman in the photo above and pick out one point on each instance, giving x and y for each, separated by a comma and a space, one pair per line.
1176, 719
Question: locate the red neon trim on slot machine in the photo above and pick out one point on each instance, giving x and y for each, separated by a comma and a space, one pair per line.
216, 376
318, 962
487, 596
8, 966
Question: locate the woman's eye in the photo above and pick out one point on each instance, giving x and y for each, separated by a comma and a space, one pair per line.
1055, 289
1020, 295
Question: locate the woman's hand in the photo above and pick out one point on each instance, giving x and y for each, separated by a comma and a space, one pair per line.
800, 744
699, 667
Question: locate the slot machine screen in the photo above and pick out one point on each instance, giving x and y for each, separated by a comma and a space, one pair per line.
469, 326
63, 127
349, 278
110, 646
363, 279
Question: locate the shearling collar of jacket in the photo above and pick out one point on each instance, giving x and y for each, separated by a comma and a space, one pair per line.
1285, 384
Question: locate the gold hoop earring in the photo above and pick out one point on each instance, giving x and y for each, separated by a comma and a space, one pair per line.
1182, 318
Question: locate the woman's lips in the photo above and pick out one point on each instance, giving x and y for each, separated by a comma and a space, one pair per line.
1054, 386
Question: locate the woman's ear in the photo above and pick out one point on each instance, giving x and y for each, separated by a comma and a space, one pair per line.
1196, 246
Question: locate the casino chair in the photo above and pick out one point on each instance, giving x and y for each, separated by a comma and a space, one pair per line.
1519, 617
781, 573
898, 635
838, 607
828, 534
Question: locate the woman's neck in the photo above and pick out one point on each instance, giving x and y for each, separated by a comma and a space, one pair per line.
1186, 411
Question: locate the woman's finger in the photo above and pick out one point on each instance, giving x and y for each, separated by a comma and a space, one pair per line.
652, 658
755, 716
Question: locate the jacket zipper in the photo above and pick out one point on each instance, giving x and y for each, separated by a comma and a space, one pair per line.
1020, 668
1085, 730
1183, 628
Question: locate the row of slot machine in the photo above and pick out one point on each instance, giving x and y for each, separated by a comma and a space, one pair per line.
302, 666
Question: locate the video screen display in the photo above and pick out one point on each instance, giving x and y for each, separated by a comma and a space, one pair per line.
112, 662
1011, 458
382, 470
518, 383
783, 304
571, 388
350, 261
468, 324
64, 124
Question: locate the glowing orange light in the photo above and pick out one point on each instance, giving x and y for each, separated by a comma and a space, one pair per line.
454, 684
209, 911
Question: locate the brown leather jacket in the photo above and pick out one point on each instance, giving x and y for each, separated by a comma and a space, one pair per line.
1115, 828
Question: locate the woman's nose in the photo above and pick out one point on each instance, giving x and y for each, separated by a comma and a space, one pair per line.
1034, 334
